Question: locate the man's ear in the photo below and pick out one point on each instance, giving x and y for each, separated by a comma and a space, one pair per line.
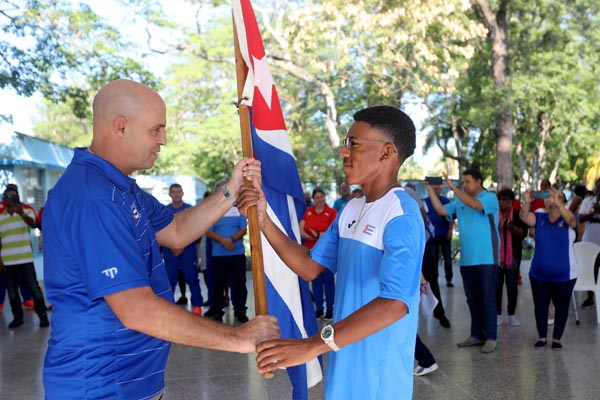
119, 125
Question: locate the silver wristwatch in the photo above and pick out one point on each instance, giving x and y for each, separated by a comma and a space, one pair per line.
327, 334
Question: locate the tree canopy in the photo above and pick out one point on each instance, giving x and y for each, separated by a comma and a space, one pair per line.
329, 59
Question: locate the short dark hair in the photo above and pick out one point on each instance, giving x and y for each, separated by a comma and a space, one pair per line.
175, 185
318, 190
580, 190
475, 173
394, 123
12, 187
506, 193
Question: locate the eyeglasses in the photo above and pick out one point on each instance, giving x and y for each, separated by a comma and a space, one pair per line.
350, 141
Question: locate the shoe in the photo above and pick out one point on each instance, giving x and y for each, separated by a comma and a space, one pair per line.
513, 321
489, 346
44, 323
519, 280
444, 321
587, 303
470, 341
551, 321
182, 300
540, 343
15, 323
499, 320
1, 307
205, 304
319, 313
420, 371
329, 314
28, 304
556, 346
242, 318
449, 284
218, 318
197, 311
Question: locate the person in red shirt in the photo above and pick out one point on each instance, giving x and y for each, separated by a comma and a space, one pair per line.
315, 221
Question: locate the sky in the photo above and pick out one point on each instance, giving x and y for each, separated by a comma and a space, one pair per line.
24, 110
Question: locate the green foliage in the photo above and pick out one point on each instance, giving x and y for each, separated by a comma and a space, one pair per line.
63, 52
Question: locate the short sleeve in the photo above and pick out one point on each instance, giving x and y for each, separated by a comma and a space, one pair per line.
108, 249
325, 251
402, 258
451, 209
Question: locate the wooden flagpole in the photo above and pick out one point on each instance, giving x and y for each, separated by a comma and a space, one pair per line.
258, 269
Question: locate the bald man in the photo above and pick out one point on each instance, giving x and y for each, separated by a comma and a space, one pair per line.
114, 316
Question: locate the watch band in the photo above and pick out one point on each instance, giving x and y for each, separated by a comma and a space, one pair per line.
227, 195
327, 334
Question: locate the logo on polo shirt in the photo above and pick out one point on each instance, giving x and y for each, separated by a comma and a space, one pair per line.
110, 272
369, 229
135, 213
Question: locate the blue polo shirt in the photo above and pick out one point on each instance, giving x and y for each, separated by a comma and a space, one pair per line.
189, 253
478, 230
99, 239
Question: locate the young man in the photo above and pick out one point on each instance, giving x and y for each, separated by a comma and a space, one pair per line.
183, 261
375, 246
476, 210
113, 306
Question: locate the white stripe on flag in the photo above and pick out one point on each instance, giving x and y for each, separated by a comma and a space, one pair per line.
285, 283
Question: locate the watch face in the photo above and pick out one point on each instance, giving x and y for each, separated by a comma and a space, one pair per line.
327, 331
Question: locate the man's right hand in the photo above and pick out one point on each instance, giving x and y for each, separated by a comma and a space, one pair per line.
256, 331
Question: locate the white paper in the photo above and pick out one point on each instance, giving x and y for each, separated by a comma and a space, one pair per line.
428, 302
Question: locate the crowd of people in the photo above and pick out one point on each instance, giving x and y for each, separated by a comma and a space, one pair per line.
114, 255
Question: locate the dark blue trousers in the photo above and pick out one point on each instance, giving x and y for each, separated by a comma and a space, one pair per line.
480, 284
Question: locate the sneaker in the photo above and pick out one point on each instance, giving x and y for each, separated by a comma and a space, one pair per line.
513, 321
329, 314
181, 300
489, 346
218, 318
499, 320
551, 321
420, 371
44, 323
15, 323
587, 303
242, 318
1, 307
540, 343
197, 311
28, 304
319, 313
449, 284
444, 321
470, 341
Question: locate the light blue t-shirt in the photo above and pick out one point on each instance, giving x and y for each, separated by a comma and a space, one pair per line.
228, 226
99, 239
478, 230
377, 255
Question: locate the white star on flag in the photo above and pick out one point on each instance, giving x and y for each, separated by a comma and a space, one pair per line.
263, 79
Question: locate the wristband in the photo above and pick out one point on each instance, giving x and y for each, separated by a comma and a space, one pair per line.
227, 195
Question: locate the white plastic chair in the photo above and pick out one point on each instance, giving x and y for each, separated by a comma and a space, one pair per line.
586, 253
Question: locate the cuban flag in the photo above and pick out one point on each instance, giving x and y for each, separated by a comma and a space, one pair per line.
288, 296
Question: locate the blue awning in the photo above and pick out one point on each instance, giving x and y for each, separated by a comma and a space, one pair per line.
20, 149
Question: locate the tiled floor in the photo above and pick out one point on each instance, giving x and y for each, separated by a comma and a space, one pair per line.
515, 371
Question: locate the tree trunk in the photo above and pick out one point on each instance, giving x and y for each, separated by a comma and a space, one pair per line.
498, 38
